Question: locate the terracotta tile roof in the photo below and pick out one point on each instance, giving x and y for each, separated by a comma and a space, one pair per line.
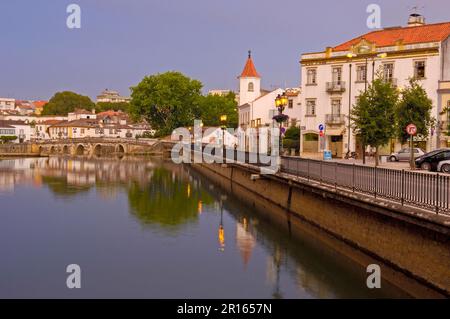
409, 35
249, 69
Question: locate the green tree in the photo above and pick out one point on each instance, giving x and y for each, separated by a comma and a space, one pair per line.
213, 106
167, 101
414, 107
373, 115
292, 138
65, 102
106, 106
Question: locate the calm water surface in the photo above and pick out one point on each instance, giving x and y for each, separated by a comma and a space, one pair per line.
146, 228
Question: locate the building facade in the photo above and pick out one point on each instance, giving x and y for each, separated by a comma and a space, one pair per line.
257, 106
333, 79
7, 104
109, 96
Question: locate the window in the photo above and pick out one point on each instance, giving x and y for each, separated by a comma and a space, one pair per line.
337, 75
312, 77
311, 108
419, 69
251, 87
336, 107
291, 104
82, 131
293, 122
258, 122
388, 72
361, 73
253, 123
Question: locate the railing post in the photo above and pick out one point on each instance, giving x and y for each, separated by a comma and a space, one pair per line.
320, 179
308, 170
437, 193
353, 178
403, 187
376, 182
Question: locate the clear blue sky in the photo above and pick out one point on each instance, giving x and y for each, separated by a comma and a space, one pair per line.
123, 40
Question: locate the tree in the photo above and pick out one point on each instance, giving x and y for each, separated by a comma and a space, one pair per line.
106, 106
65, 102
373, 115
213, 106
414, 107
167, 101
292, 138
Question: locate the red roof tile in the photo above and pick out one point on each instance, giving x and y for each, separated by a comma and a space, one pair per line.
408, 35
249, 69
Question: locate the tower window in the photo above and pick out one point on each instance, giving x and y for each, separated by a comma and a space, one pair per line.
251, 87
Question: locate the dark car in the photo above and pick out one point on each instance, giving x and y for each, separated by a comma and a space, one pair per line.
430, 161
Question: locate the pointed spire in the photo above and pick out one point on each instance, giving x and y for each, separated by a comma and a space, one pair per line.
249, 69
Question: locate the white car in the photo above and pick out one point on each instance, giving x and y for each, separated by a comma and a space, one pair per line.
444, 167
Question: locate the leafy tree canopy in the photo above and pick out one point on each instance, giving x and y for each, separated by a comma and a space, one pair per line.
373, 115
212, 107
65, 102
106, 106
414, 107
167, 101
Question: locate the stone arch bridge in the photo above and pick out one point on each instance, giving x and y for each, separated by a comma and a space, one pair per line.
97, 147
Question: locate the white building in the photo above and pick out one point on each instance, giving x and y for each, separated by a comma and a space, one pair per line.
7, 104
20, 129
109, 96
333, 79
257, 106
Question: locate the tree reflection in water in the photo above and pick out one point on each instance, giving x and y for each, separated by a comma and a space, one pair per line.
168, 200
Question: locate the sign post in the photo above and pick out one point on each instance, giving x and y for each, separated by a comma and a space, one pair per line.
411, 129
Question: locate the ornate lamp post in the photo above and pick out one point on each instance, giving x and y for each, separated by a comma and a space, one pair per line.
223, 122
280, 102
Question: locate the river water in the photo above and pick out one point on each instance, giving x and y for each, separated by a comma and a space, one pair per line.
147, 228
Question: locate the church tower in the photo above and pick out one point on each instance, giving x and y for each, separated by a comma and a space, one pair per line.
249, 82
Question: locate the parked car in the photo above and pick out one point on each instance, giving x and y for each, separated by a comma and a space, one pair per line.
405, 154
430, 161
444, 167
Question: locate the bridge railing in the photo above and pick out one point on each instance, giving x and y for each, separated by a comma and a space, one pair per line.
419, 189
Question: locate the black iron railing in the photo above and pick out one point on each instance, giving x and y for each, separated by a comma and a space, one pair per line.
423, 190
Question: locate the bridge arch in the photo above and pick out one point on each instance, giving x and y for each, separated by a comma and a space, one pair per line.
120, 149
98, 150
53, 150
66, 150
80, 149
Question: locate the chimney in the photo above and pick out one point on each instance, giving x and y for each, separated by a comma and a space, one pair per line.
416, 20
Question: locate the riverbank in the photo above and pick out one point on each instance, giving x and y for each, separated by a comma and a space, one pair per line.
409, 242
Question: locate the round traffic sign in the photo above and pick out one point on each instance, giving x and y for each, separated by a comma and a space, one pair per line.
411, 129
321, 127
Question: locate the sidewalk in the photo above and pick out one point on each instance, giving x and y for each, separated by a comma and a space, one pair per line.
370, 161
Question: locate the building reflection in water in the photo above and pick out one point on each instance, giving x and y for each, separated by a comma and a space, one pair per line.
244, 240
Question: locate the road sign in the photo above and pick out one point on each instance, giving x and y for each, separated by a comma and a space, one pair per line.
411, 129
321, 127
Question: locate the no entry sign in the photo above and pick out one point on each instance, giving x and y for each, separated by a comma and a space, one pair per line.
411, 129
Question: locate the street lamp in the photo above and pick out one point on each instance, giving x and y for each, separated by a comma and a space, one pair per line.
280, 102
223, 121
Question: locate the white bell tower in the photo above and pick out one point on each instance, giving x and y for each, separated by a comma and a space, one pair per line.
249, 82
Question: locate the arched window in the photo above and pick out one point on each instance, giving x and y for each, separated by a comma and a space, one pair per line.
251, 87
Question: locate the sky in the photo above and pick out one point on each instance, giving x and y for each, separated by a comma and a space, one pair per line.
121, 41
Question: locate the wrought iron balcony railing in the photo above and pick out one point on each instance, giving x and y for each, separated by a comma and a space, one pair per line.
335, 119
336, 87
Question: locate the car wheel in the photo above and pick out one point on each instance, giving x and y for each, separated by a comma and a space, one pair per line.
425, 166
393, 159
445, 168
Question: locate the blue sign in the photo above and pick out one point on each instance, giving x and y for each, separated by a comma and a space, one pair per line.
327, 156
321, 127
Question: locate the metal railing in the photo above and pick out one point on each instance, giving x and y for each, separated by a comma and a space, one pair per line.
423, 190
335, 119
337, 86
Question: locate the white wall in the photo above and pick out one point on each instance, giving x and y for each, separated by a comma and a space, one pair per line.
244, 95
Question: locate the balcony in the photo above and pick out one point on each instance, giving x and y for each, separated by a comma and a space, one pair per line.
336, 87
335, 119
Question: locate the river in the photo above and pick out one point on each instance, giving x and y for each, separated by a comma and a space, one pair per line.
147, 228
